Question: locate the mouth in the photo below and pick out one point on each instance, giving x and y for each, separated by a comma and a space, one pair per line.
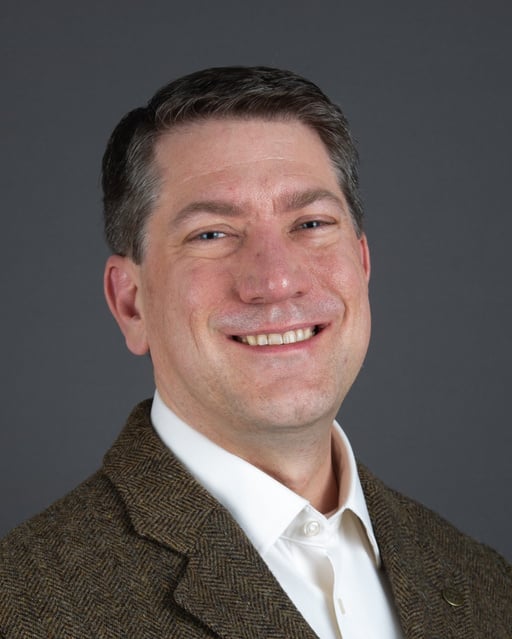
278, 339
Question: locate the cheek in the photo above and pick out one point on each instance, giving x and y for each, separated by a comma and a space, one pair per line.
199, 289
342, 272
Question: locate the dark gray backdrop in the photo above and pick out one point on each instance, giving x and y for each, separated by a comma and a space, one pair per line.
427, 88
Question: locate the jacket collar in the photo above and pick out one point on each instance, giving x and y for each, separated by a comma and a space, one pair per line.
225, 580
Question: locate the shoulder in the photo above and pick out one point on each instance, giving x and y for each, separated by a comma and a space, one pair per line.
72, 518
95, 558
389, 507
415, 540
35, 557
72, 568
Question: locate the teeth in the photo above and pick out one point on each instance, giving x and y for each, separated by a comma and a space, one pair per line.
290, 337
274, 339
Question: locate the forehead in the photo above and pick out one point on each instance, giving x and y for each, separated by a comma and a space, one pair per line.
241, 151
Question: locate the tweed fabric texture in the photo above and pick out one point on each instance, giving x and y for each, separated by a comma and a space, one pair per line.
141, 550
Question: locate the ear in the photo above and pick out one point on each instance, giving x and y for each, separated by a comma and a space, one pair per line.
365, 255
123, 293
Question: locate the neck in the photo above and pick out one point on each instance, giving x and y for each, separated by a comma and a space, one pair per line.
303, 464
299, 456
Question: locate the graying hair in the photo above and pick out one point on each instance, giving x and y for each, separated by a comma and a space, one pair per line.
130, 180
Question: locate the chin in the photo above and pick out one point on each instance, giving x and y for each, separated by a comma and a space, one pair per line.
295, 412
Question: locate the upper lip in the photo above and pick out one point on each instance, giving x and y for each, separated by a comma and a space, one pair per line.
263, 320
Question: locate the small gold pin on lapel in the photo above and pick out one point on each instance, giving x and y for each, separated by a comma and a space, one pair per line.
453, 597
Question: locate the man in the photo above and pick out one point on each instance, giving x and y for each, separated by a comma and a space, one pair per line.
231, 506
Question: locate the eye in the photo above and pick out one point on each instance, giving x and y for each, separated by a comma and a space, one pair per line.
313, 224
206, 236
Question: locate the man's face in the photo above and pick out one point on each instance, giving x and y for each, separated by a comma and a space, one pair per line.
253, 290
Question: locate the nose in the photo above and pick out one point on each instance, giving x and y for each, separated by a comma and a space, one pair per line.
271, 270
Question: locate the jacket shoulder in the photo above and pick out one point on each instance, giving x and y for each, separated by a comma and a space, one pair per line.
37, 556
60, 570
426, 555
389, 507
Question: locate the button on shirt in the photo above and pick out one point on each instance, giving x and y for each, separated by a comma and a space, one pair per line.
329, 566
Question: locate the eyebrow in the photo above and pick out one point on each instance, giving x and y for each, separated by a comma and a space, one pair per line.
218, 207
295, 200
301, 199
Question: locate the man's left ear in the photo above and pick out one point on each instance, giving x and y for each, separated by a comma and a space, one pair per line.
122, 291
365, 255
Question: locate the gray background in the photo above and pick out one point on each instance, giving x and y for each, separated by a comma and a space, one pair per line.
427, 88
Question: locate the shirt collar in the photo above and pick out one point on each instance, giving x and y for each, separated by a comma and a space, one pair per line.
262, 506
351, 496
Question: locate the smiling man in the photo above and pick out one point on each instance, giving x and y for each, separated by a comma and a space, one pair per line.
231, 504
252, 274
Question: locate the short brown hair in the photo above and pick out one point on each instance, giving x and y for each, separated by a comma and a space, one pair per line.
130, 180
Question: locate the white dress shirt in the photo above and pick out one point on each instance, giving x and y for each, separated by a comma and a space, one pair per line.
329, 566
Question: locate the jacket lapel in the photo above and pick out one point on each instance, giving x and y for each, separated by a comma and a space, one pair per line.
431, 594
225, 585
228, 586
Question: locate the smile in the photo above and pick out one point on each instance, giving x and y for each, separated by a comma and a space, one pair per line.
276, 339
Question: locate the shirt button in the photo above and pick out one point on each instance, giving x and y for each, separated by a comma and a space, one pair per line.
311, 528
339, 601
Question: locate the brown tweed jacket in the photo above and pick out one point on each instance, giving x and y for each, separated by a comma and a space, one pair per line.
140, 550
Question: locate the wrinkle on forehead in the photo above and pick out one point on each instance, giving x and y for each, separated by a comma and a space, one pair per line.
238, 167
265, 141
